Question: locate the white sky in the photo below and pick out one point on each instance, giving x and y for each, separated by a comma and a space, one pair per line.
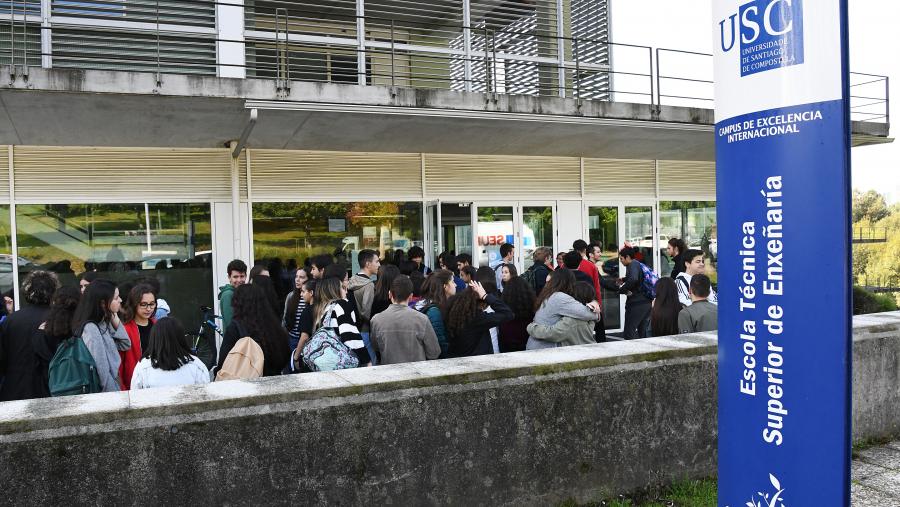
874, 49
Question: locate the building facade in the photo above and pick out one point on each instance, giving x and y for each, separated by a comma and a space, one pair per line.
169, 137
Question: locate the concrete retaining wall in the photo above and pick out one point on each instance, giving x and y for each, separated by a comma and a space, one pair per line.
528, 428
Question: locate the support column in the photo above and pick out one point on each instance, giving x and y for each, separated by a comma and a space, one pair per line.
467, 43
361, 42
12, 228
230, 47
46, 35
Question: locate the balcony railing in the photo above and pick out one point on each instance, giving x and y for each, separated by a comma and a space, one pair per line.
475, 45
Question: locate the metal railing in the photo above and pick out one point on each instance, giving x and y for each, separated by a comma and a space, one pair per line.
870, 235
510, 52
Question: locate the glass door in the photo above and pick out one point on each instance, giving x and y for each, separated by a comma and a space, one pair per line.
538, 230
455, 235
495, 225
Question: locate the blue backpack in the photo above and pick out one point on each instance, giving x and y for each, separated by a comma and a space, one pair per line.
648, 283
325, 351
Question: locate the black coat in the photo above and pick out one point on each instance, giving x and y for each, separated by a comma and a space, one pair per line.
25, 355
475, 338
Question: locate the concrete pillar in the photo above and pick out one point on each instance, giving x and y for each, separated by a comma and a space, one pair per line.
230, 47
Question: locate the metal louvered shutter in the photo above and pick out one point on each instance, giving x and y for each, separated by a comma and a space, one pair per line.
290, 175
501, 177
4, 176
617, 179
687, 180
46, 175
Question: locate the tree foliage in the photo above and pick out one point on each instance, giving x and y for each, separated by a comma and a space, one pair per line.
869, 206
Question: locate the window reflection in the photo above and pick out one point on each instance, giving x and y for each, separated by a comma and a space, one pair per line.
695, 223
123, 242
286, 234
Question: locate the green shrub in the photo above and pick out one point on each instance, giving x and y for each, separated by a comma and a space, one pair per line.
868, 302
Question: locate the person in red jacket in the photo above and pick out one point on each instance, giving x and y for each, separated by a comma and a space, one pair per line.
139, 310
587, 267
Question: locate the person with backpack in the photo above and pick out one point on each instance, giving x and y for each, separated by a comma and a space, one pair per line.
55, 329
254, 318
139, 310
537, 274
237, 276
19, 363
333, 313
638, 303
437, 290
694, 264
97, 322
401, 334
556, 301
167, 360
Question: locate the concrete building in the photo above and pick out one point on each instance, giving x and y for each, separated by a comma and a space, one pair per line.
172, 136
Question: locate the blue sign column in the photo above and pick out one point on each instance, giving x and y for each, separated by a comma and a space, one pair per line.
783, 184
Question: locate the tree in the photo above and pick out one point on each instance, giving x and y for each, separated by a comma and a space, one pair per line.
869, 206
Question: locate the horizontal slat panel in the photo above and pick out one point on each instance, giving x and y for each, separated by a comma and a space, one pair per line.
687, 180
74, 174
4, 174
282, 175
615, 178
498, 177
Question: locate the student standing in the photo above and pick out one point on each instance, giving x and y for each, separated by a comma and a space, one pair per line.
702, 315
676, 250
56, 328
382, 300
693, 265
468, 324
18, 354
333, 311
519, 297
139, 311
568, 330
401, 334
417, 255
294, 304
237, 276
363, 287
664, 316
253, 317
167, 360
507, 256
638, 303
97, 319
557, 301
437, 290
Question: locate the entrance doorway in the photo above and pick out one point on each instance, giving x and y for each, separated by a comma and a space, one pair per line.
611, 226
480, 228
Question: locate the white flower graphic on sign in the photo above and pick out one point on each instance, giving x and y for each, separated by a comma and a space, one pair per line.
764, 500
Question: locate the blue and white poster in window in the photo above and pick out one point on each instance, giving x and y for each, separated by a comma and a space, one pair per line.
783, 188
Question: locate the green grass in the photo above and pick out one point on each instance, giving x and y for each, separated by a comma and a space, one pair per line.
700, 493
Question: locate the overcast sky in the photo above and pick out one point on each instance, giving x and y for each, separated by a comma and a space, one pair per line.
874, 49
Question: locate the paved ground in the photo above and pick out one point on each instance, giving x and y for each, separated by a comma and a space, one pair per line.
875, 477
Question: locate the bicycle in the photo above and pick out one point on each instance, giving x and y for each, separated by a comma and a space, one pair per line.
201, 346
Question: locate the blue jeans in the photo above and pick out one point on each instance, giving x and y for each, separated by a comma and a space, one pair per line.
369, 347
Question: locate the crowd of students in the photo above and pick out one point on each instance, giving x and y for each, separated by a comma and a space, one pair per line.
386, 313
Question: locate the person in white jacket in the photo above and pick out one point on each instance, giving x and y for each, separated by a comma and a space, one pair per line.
168, 360
693, 265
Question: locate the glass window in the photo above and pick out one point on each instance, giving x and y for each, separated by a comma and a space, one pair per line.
122, 242
695, 223
639, 232
286, 234
495, 227
603, 226
537, 231
456, 227
6, 258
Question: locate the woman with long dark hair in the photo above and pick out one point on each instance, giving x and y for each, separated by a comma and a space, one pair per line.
97, 321
664, 315
519, 297
168, 360
25, 375
469, 326
438, 288
254, 317
333, 311
387, 273
139, 311
294, 305
557, 301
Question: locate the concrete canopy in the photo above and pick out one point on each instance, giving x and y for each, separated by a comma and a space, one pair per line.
127, 109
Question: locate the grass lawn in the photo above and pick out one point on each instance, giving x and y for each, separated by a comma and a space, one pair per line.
700, 493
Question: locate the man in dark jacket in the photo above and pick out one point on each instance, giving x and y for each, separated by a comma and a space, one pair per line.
24, 357
638, 304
